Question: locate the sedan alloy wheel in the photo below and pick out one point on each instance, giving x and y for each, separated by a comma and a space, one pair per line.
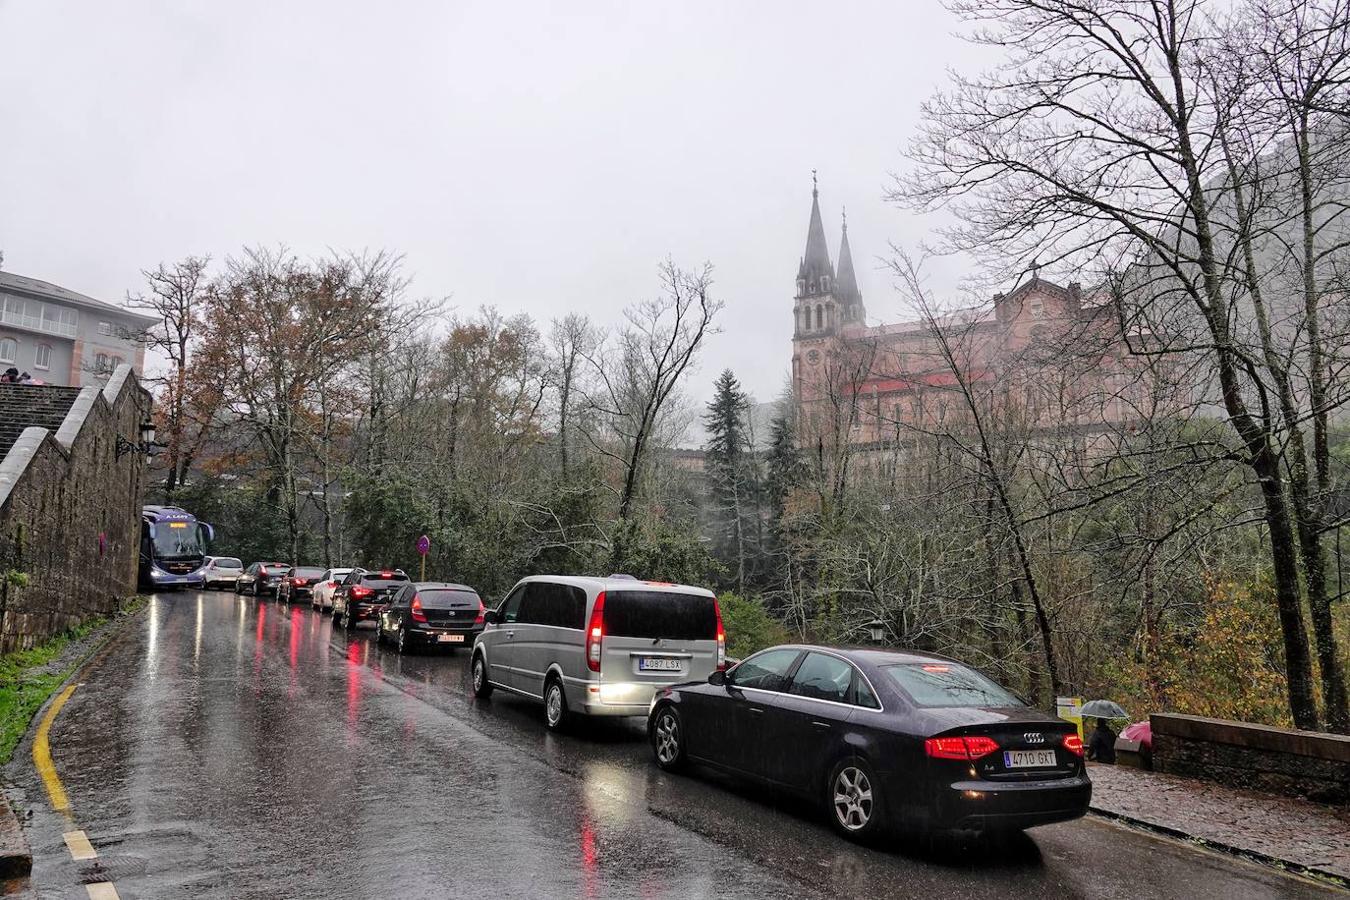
853, 802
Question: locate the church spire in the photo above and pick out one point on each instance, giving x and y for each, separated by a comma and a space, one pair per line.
815, 275
850, 298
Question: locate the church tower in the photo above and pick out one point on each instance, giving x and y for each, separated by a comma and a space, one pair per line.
822, 306
846, 288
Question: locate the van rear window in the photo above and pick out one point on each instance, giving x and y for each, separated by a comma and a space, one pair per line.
657, 614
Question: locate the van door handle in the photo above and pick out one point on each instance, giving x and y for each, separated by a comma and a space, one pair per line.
510, 634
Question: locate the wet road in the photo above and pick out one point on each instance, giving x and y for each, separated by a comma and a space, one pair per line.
219, 747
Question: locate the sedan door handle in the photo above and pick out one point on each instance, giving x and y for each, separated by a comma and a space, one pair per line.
756, 710
823, 726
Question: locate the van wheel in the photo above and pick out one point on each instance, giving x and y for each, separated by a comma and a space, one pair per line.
555, 705
668, 740
853, 795
478, 675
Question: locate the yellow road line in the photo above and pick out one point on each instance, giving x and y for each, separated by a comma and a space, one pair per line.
102, 890
42, 753
79, 845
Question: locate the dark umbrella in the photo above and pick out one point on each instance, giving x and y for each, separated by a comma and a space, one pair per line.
1103, 709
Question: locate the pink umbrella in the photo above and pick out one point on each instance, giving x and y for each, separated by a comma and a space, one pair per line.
1141, 732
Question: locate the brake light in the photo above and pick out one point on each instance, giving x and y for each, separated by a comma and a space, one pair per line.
1074, 744
360, 593
962, 748
721, 639
386, 574
595, 633
299, 582
417, 614
482, 610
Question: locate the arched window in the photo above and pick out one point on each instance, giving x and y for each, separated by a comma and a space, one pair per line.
824, 282
820, 316
801, 287
42, 356
9, 349
116, 361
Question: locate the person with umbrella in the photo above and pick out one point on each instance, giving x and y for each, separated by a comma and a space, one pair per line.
1102, 745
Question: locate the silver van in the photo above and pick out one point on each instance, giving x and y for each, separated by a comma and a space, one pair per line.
597, 646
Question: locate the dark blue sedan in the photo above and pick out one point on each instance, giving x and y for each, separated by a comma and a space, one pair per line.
879, 738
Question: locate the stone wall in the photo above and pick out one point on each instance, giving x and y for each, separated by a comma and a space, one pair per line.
1275, 760
70, 515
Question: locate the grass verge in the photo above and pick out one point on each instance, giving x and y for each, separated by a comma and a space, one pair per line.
28, 678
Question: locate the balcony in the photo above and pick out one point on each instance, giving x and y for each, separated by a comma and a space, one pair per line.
40, 317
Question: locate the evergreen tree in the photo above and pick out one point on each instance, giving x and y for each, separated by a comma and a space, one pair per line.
731, 477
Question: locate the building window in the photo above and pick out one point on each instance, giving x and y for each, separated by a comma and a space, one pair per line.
801, 287
820, 316
42, 356
824, 282
9, 349
101, 363
105, 328
1037, 308
116, 361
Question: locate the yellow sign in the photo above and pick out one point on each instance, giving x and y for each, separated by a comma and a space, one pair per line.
177, 524
1071, 708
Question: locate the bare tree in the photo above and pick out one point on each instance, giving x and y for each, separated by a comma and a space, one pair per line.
1100, 140
639, 370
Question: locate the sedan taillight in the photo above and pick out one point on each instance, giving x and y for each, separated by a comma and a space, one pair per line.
1074, 744
360, 593
962, 748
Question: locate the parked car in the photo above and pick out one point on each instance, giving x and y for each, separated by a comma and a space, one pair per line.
879, 738
322, 597
597, 646
363, 593
261, 578
298, 583
432, 613
221, 571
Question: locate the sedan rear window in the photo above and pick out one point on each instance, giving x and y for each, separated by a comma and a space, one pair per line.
658, 614
440, 598
948, 684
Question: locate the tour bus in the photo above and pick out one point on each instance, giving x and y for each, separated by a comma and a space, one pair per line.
173, 548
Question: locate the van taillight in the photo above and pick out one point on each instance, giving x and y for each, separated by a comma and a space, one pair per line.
595, 633
721, 639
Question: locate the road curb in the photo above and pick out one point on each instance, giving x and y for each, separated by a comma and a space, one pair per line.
16, 857
1256, 856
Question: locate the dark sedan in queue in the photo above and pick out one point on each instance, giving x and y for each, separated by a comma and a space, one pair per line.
298, 583
363, 594
432, 614
880, 738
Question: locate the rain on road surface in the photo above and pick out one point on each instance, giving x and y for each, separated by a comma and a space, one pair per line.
226, 747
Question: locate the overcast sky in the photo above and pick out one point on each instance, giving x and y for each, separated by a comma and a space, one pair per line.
538, 158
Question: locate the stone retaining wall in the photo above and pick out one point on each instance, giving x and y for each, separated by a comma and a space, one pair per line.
1275, 760
70, 515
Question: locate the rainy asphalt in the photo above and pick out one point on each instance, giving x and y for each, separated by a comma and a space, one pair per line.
225, 747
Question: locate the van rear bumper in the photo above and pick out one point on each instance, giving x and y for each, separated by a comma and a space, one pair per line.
621, 698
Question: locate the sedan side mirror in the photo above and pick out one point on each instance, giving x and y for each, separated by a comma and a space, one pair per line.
490, 617
718, 678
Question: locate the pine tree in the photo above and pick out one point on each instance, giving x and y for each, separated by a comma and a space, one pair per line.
731, 476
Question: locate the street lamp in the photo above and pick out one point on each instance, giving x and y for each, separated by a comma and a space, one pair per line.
877, 630
146, 444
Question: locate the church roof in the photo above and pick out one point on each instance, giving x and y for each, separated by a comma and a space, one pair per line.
816, 260
847, 281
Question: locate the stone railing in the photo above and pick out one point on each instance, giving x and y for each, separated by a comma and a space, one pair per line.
1277, 760
70, 515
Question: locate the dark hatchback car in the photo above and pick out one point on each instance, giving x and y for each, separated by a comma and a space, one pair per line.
261, 578
432, 613
298, 583
880, 738
364, 593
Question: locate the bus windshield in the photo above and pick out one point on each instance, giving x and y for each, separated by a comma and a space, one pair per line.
178, 539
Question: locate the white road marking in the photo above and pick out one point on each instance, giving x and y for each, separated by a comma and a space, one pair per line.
79, 845
102, 890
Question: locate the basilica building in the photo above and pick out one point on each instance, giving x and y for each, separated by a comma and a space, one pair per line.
1044, 358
